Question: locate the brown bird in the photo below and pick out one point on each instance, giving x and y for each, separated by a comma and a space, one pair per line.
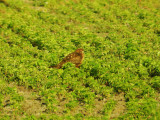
76, 58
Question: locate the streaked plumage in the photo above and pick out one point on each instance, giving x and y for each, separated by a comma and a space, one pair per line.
76, 58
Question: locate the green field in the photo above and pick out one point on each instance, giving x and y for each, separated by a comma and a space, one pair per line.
118, 79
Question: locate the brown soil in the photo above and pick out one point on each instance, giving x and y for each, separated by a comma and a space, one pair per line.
120, 106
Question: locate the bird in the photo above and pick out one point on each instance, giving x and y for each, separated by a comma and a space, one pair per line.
75, 57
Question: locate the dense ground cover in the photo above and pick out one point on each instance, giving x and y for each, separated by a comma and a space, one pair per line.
120, 75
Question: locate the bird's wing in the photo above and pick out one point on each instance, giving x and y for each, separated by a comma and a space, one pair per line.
66, 59
69, 57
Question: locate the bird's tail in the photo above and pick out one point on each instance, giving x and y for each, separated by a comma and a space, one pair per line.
58, 66
55, 66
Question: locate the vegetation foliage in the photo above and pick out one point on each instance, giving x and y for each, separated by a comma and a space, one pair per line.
121, 41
